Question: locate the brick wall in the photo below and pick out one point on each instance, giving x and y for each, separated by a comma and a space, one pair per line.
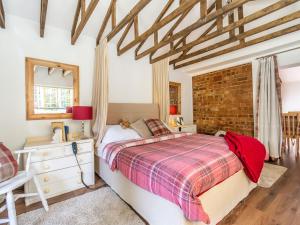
222, 100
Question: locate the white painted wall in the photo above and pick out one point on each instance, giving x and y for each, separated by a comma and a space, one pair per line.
186, 94
21, 39
130, 80
290, 96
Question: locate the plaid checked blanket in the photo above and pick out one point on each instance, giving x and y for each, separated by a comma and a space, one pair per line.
8, 165
177, 167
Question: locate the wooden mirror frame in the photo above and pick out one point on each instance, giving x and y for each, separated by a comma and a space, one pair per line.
29, 82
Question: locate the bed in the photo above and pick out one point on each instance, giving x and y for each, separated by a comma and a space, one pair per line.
217, 202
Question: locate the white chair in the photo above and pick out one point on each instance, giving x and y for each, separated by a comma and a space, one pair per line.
22, 177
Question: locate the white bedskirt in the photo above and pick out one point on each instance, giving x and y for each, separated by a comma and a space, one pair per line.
217, 202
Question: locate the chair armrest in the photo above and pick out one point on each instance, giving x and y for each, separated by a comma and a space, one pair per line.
25, 151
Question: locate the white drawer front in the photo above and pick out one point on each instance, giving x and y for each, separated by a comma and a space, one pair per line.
58, 188
47, 153
56, 164
64, 174
81, 147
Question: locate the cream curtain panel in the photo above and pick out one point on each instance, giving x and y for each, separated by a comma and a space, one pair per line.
160, 74
100, 92
268, 117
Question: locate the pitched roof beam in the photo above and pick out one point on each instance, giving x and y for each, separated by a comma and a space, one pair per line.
128, 19
43, 13
159, 17
167, 19
209, 10
243, 45
109, 13
272, 8
242, 36
85, 15
133, 12
241, 16
196, 25
2, 15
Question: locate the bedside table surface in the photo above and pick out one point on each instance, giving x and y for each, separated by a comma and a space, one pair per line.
44, 141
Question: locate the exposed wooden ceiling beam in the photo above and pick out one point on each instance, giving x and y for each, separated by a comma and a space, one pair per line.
160, 16
44, 6
230, 21
203, 9
167, 19
85, 15
196, 25
243, 45
114, 14
272, 8
135, 10
129, 25
241, 16
241, 36
2, 15
219, 18
105, 20
209, 10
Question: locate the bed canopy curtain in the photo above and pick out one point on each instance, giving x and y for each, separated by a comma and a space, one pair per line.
268, 127
100, 91
160, 74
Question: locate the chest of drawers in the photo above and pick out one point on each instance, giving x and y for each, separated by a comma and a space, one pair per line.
57, 169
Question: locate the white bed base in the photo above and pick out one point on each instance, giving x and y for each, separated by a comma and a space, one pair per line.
217, 202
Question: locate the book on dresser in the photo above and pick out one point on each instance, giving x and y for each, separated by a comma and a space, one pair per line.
56, 166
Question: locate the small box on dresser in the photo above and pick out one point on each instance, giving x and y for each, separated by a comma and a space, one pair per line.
57, 169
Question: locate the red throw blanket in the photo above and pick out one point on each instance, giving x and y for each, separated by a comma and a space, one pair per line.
250, 151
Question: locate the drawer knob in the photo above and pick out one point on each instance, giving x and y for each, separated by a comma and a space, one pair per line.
46, 190
46, 179
45, 153
46, 167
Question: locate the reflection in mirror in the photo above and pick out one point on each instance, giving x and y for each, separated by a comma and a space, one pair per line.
53, 90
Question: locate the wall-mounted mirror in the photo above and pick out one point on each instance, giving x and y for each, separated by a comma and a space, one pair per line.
175, 97
51, 89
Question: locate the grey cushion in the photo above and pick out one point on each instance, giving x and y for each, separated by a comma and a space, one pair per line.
141, 128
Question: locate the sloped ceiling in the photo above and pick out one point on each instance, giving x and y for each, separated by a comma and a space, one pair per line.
60, 14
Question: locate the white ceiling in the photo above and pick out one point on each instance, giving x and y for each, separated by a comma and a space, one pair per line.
60, 14
290, 74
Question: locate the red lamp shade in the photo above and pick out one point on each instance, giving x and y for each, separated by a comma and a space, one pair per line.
82, 112
173, 109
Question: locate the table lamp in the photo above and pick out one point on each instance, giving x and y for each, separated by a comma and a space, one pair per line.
82, 113
173, 109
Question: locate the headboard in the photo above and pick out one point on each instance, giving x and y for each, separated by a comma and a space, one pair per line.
130, 111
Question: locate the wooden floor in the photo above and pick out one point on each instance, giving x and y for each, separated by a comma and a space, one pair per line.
278, 205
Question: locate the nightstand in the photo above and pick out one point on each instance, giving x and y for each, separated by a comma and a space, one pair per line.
190, 128
56, 166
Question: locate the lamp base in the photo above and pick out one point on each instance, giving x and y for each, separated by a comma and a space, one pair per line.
82, 129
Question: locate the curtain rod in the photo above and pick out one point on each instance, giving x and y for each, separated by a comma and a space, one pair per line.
280, 52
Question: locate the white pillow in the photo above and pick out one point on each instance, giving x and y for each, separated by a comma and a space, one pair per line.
117, 133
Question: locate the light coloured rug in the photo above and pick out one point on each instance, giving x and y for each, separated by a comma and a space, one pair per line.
270, 174
101, 207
